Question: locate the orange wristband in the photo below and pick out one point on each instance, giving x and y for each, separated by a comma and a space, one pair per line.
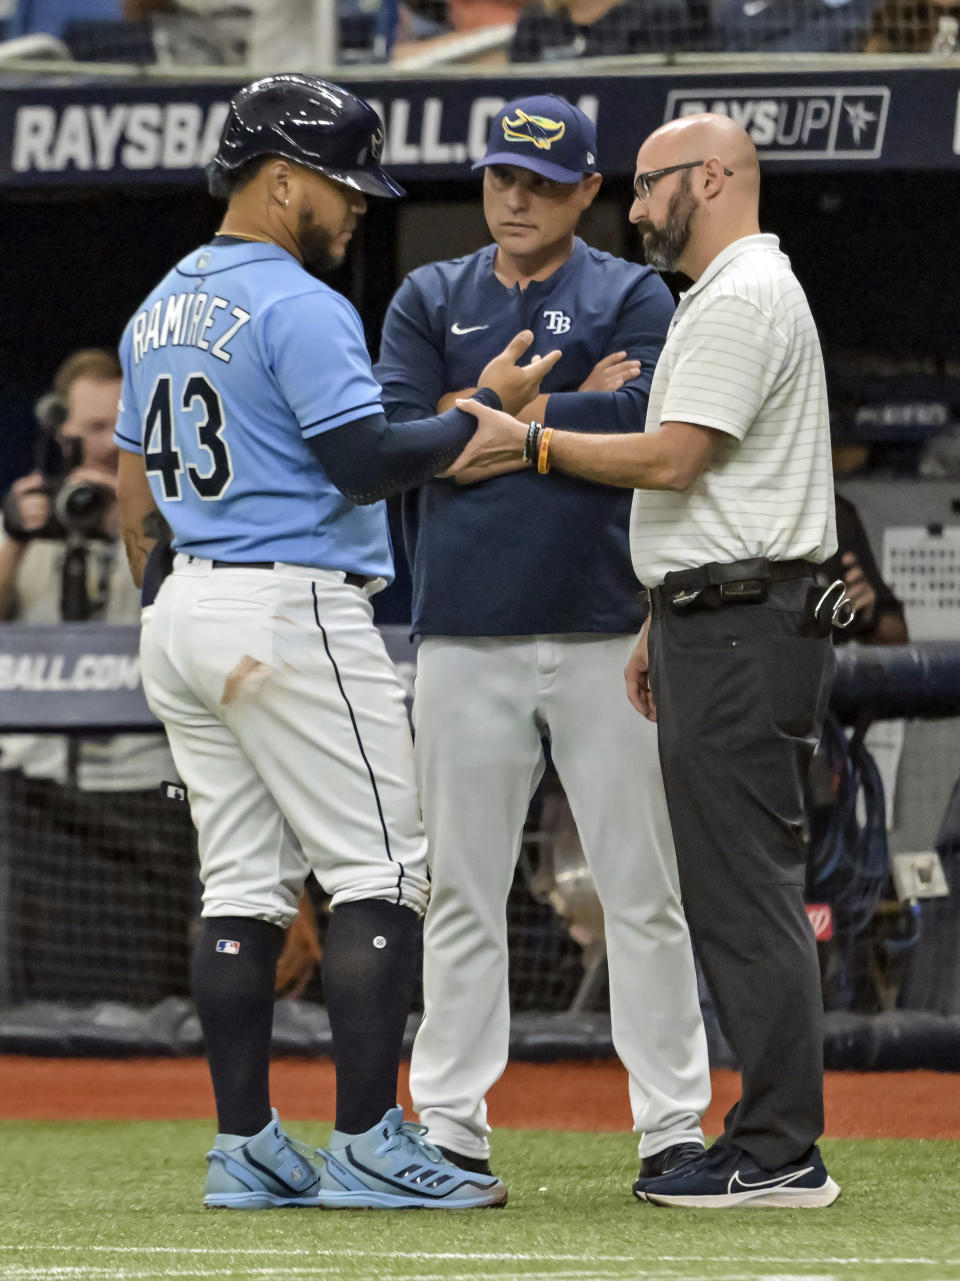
543, 464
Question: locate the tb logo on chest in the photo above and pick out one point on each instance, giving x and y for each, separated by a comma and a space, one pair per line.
558, 322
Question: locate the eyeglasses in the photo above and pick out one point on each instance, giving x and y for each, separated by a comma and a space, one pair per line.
643, 182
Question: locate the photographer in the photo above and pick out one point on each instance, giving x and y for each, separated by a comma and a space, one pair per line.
879, 619
77, 460
101, 866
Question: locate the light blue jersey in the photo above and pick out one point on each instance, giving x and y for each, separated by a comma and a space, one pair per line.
232, 363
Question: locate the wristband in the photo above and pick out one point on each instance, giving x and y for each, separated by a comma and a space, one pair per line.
543, 463
531, 444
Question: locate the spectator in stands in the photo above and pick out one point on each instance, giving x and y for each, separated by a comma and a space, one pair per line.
101, 867
436, 28
879, 619
907, 26
93, 30
282, 36
472, 15
551, 30
287, 35
53, 16
196, 32
791, 26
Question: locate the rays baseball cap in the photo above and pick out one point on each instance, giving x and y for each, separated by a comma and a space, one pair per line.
546, 134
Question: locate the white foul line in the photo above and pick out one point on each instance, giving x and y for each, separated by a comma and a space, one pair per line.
468, 1256
18, 1272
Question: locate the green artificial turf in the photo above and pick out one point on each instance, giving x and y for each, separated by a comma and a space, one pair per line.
85, 1201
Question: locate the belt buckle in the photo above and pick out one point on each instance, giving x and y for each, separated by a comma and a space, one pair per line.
748, 589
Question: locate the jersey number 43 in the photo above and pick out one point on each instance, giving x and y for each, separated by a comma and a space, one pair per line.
201, 401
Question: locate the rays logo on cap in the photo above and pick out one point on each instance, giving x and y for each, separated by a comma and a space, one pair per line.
540, 130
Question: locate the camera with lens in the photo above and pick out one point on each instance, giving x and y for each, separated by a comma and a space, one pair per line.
78, 509
82, 509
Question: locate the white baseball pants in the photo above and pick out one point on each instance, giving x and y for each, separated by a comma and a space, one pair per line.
480, 709
287, 723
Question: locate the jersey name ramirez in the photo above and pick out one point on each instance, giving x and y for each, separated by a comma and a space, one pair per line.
186, 320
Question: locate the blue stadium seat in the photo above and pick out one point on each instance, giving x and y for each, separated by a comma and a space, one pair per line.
793, 26
52, 16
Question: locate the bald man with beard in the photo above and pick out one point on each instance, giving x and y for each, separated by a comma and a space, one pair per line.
733, 515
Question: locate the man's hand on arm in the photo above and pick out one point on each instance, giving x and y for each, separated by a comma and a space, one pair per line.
494, 449
672, 458
637, 675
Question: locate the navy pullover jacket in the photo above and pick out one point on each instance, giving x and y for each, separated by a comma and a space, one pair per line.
523, 554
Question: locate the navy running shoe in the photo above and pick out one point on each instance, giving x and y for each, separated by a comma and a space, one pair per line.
727, 1176
664, 1162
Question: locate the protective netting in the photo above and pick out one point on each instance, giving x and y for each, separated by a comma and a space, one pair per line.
543, 31
99, 896
98, 893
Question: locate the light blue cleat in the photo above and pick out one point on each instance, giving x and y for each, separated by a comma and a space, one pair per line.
393, 1167
262, 1172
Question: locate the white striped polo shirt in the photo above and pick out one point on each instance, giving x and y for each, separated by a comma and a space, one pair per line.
742, 356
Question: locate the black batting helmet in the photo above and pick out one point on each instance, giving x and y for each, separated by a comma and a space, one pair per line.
311, 122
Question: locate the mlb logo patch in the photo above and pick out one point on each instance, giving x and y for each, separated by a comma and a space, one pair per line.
228, 945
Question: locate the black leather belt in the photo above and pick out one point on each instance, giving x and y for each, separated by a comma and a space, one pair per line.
740, 581
355, 580
242, 564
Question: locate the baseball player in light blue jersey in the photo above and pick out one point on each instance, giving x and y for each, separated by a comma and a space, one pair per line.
528, 607
252, 422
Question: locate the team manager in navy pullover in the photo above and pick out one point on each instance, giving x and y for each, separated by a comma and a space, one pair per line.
528, 609
485, 559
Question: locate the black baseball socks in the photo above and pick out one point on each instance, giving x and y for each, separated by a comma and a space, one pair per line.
234, 973
370, 964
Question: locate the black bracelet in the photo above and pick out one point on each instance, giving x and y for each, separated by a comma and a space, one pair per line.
532, 442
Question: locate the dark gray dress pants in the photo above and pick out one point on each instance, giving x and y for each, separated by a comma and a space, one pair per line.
741, 694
